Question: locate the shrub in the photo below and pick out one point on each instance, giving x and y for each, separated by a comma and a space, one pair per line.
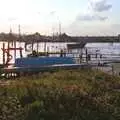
63, 95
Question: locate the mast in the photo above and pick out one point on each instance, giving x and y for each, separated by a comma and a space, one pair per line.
59, 28
19, 30
59, 34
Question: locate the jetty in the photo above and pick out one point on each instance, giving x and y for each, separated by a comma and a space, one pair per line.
47, 61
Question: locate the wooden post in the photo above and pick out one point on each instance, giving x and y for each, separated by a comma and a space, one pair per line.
81, 55
32, 46
45, 47
15, 50
86, 55
37, 46
8, 52
3, 53
25, 46
21, 53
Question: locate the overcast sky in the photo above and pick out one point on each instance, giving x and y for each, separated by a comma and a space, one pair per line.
77, 17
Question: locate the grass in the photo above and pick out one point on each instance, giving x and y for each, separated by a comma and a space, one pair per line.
63, 95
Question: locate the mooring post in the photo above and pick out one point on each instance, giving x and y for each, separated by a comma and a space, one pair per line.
3, 53
86, 55
21, 55
37, 46
80, 56
15, 50
32, 46
8, 52
25, 46
45, 47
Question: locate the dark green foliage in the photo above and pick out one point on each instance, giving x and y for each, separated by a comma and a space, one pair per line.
10, 108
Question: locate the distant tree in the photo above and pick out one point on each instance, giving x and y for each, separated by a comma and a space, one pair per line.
37, 33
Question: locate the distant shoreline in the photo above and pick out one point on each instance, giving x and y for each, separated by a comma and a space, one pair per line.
60, 38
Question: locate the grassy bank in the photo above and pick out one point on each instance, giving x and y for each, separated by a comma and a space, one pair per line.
64, 95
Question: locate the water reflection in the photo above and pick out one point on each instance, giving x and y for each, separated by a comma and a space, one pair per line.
99, 48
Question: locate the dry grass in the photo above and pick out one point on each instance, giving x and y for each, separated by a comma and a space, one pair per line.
65, 95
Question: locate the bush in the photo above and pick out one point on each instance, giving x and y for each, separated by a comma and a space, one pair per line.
63, 95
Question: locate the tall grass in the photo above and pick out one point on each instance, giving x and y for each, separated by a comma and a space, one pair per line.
63, 95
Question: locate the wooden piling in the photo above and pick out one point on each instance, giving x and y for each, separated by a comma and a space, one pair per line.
45, 47
3, 53
21, 55
86, 55
15, 50
32, 46
8, 52
37, 47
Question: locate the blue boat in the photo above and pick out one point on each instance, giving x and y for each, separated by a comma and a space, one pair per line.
33, 65
42, 61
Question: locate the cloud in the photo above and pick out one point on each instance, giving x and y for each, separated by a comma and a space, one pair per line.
94, 12
100, 5
90, 18
97, 6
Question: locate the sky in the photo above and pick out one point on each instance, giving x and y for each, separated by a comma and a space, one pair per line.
77, 17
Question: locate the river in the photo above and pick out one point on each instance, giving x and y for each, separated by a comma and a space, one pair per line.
112, 50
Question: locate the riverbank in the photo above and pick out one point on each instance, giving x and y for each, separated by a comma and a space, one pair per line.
63, 95
37, 37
